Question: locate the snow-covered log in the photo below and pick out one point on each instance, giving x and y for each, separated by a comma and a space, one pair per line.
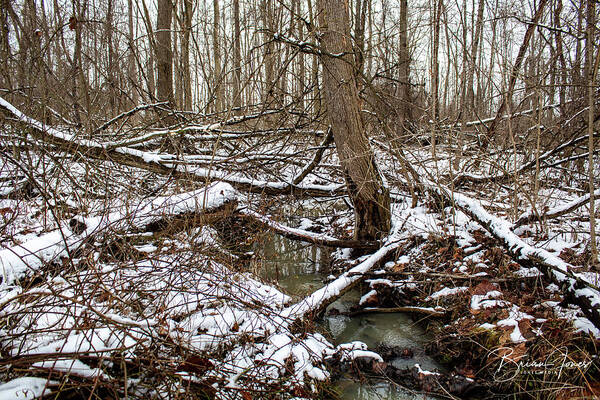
320, 299
576, 290
23, 259
307, 236
555, 212
162, 164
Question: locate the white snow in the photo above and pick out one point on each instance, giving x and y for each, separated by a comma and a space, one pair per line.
446, 292
24, 388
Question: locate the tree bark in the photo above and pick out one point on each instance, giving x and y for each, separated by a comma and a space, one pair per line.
435, 73
470, 104
185, 54
404, 92
237, 56
591, 75
131, 67
369, 197
269, 85
164, 51
217, 84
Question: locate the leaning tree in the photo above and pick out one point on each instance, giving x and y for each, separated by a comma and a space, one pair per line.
370, 198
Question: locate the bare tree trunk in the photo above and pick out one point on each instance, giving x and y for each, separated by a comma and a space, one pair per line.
110, 73
359, 32
78, 13
301, 74
5, 53
237, 56
369, 197
131, 68
470, 103
315, 64
591, 75
164, 52
217, 74
151, 82
562, 81
435, 74
269, 84
404, 92
185, 54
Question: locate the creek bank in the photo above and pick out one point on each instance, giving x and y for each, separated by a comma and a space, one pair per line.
505, 329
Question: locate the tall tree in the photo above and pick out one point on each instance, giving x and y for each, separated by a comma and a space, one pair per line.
5, 51
404, 92
131, 56
435, 71
164, 51
591, 88
370, 198
237, 56
217, 74
269, 84
470, 103
188, 9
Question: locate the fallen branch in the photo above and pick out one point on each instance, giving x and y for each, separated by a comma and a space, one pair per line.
306, 236
461, 179
316, 159
433, 312
23, 259
128, 114
162, 164
319, 300
556, 212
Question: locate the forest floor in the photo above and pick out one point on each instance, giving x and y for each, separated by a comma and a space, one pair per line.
129, 284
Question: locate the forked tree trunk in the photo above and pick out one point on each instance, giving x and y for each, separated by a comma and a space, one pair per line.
369, 197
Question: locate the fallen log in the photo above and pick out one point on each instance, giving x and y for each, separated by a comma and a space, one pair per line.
432, 312
316, 303
306, 236
556, 212
162, 164
576, 290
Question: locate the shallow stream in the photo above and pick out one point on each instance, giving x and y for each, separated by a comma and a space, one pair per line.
299, 269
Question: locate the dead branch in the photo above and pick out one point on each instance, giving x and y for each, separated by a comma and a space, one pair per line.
556, 212
432, 312
316, 159
129, 113
306, 236
161, 163
461, 179
315, 303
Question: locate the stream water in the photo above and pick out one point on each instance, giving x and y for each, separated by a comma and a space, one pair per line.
299, 269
